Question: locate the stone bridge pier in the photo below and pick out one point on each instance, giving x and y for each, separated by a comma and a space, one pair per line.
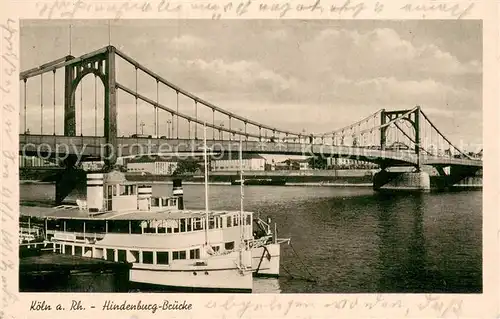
402, 181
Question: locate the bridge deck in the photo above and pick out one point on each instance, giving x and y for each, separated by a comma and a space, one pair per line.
89, 146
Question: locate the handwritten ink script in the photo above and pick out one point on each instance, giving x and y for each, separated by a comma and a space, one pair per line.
273, 8
429, 305
8, 156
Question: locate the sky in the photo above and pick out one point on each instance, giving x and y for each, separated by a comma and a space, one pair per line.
295, 75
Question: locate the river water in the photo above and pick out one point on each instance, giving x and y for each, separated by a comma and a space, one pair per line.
355, 240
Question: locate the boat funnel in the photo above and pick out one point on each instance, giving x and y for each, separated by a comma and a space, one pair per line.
179, 192
95, 192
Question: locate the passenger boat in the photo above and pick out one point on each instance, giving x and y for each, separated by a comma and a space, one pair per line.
167, 245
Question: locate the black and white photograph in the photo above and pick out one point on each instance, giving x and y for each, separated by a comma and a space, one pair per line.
251, 156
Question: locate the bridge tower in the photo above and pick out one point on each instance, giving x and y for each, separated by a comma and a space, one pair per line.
101, 63
417, 180
412, 117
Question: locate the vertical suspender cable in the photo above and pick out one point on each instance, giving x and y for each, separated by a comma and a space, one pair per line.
156, 109
41, 104
81, 108
54, 93
213, 124
177, 103
109, 32
25, 115
95, 105
171, 133
196, 117
70, 39
136, 123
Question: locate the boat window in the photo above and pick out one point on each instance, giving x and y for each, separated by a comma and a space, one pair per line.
164, 202
161, 228
54, 224
114, 189
188, 224
183, 225
229, 245
176, 227
220, 222
78, 250
162, 257
118, 226
135, 256
149, 229
88, 251
95, 226
236, 221
123, 190
229, 221
173, 202
197, 224
169, 230
155, 202
110, 254
211, 222
68, 250
179, 255
194, 254
74, 225
136, 227
147, 257
122, 255
249, 219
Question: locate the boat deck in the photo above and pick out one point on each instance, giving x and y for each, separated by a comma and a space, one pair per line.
73, 212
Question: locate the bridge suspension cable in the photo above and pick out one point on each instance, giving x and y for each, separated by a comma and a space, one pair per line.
388, 123
186, 117
351, 126
194, 97
442, 136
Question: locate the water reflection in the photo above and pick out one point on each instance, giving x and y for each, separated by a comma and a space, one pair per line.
266, 285
402, 246
354, 240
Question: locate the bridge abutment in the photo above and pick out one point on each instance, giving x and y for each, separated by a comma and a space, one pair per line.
402, 181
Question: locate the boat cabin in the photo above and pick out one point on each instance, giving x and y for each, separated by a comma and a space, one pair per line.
111, 192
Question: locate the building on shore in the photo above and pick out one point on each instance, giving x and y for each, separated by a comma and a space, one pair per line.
155, 168
348, 163
227, 162
327, 164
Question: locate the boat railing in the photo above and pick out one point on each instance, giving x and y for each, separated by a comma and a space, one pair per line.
258, 242
75, 236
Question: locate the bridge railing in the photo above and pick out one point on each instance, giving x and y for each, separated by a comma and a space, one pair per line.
126, 146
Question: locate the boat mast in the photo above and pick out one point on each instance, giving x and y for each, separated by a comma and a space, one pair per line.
206, 180
241, 202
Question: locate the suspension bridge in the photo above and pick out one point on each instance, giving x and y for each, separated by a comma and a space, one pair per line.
178, 117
